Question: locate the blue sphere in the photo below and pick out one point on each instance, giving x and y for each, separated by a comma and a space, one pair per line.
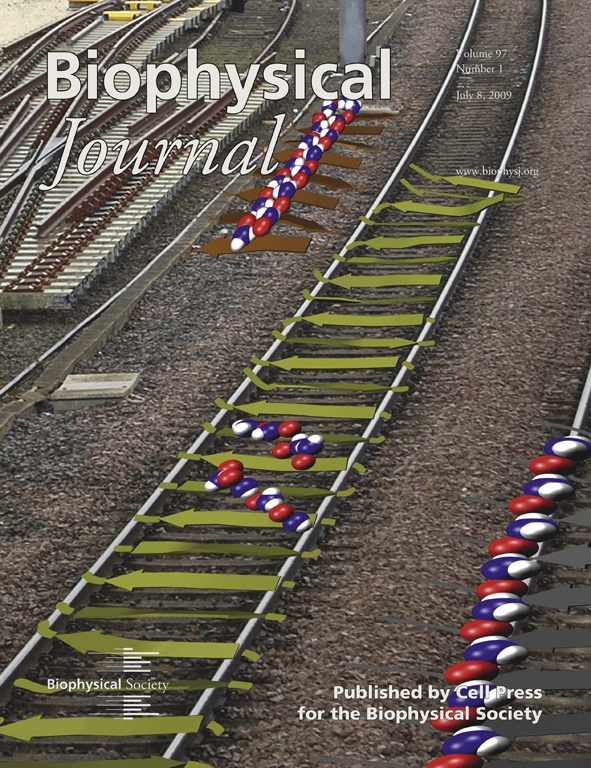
575, 448
477, 740
287, 189
298, 522
499, 608
315, 153
273, 214
532, 526
244, 488
550, 486
510, 567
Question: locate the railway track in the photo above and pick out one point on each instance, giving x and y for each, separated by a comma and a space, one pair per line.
349, 408
50, 253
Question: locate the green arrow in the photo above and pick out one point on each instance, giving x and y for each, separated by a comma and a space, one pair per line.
360, 342
407, 242
469, 209
392, 300
435, 193
173, 685
186, 580
360, 321
219, 517
468, 181
110, 613
349, 281
329, 363
430, 223
248, 550
95, 641
403, 262
303, 409
338, 386
39, 727
270, 463
151, 762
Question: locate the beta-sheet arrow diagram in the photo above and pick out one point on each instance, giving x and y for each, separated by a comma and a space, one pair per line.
579, 518
547, 680
546, 726
40, 727
186, 580
575, 557
95, 641
349, 281
360, 321
548, 640
562, 598
333, 363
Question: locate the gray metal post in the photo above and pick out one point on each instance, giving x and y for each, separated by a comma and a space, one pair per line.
352, 31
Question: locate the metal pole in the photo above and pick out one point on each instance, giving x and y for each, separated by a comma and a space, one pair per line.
352, 32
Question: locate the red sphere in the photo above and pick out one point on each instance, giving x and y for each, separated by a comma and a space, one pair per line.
471, 670
325, 142
289, 428
457, 761
317, 117
281, 450
513, 586
281, 512
247, 220
512, 545
452, 725
262, 226
283, 172
303, 461
251, 501
553, 464
266, 192
522, 504
229, 477
312, 165
282, 203
482, 628
348, 116
231, 464
301, 179
298, 153
338, 124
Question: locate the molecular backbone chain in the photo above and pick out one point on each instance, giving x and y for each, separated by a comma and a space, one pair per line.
275, 199
513, 564
301, 448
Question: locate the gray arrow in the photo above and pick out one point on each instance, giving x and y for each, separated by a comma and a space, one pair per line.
551, 638
554, 680
578, 762
579, 518
546, 726
562, 598
575, 557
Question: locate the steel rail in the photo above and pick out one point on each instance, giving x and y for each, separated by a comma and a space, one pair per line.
62, 26
583, 407
16, 380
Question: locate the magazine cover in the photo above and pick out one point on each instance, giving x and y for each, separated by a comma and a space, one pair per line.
294, 384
